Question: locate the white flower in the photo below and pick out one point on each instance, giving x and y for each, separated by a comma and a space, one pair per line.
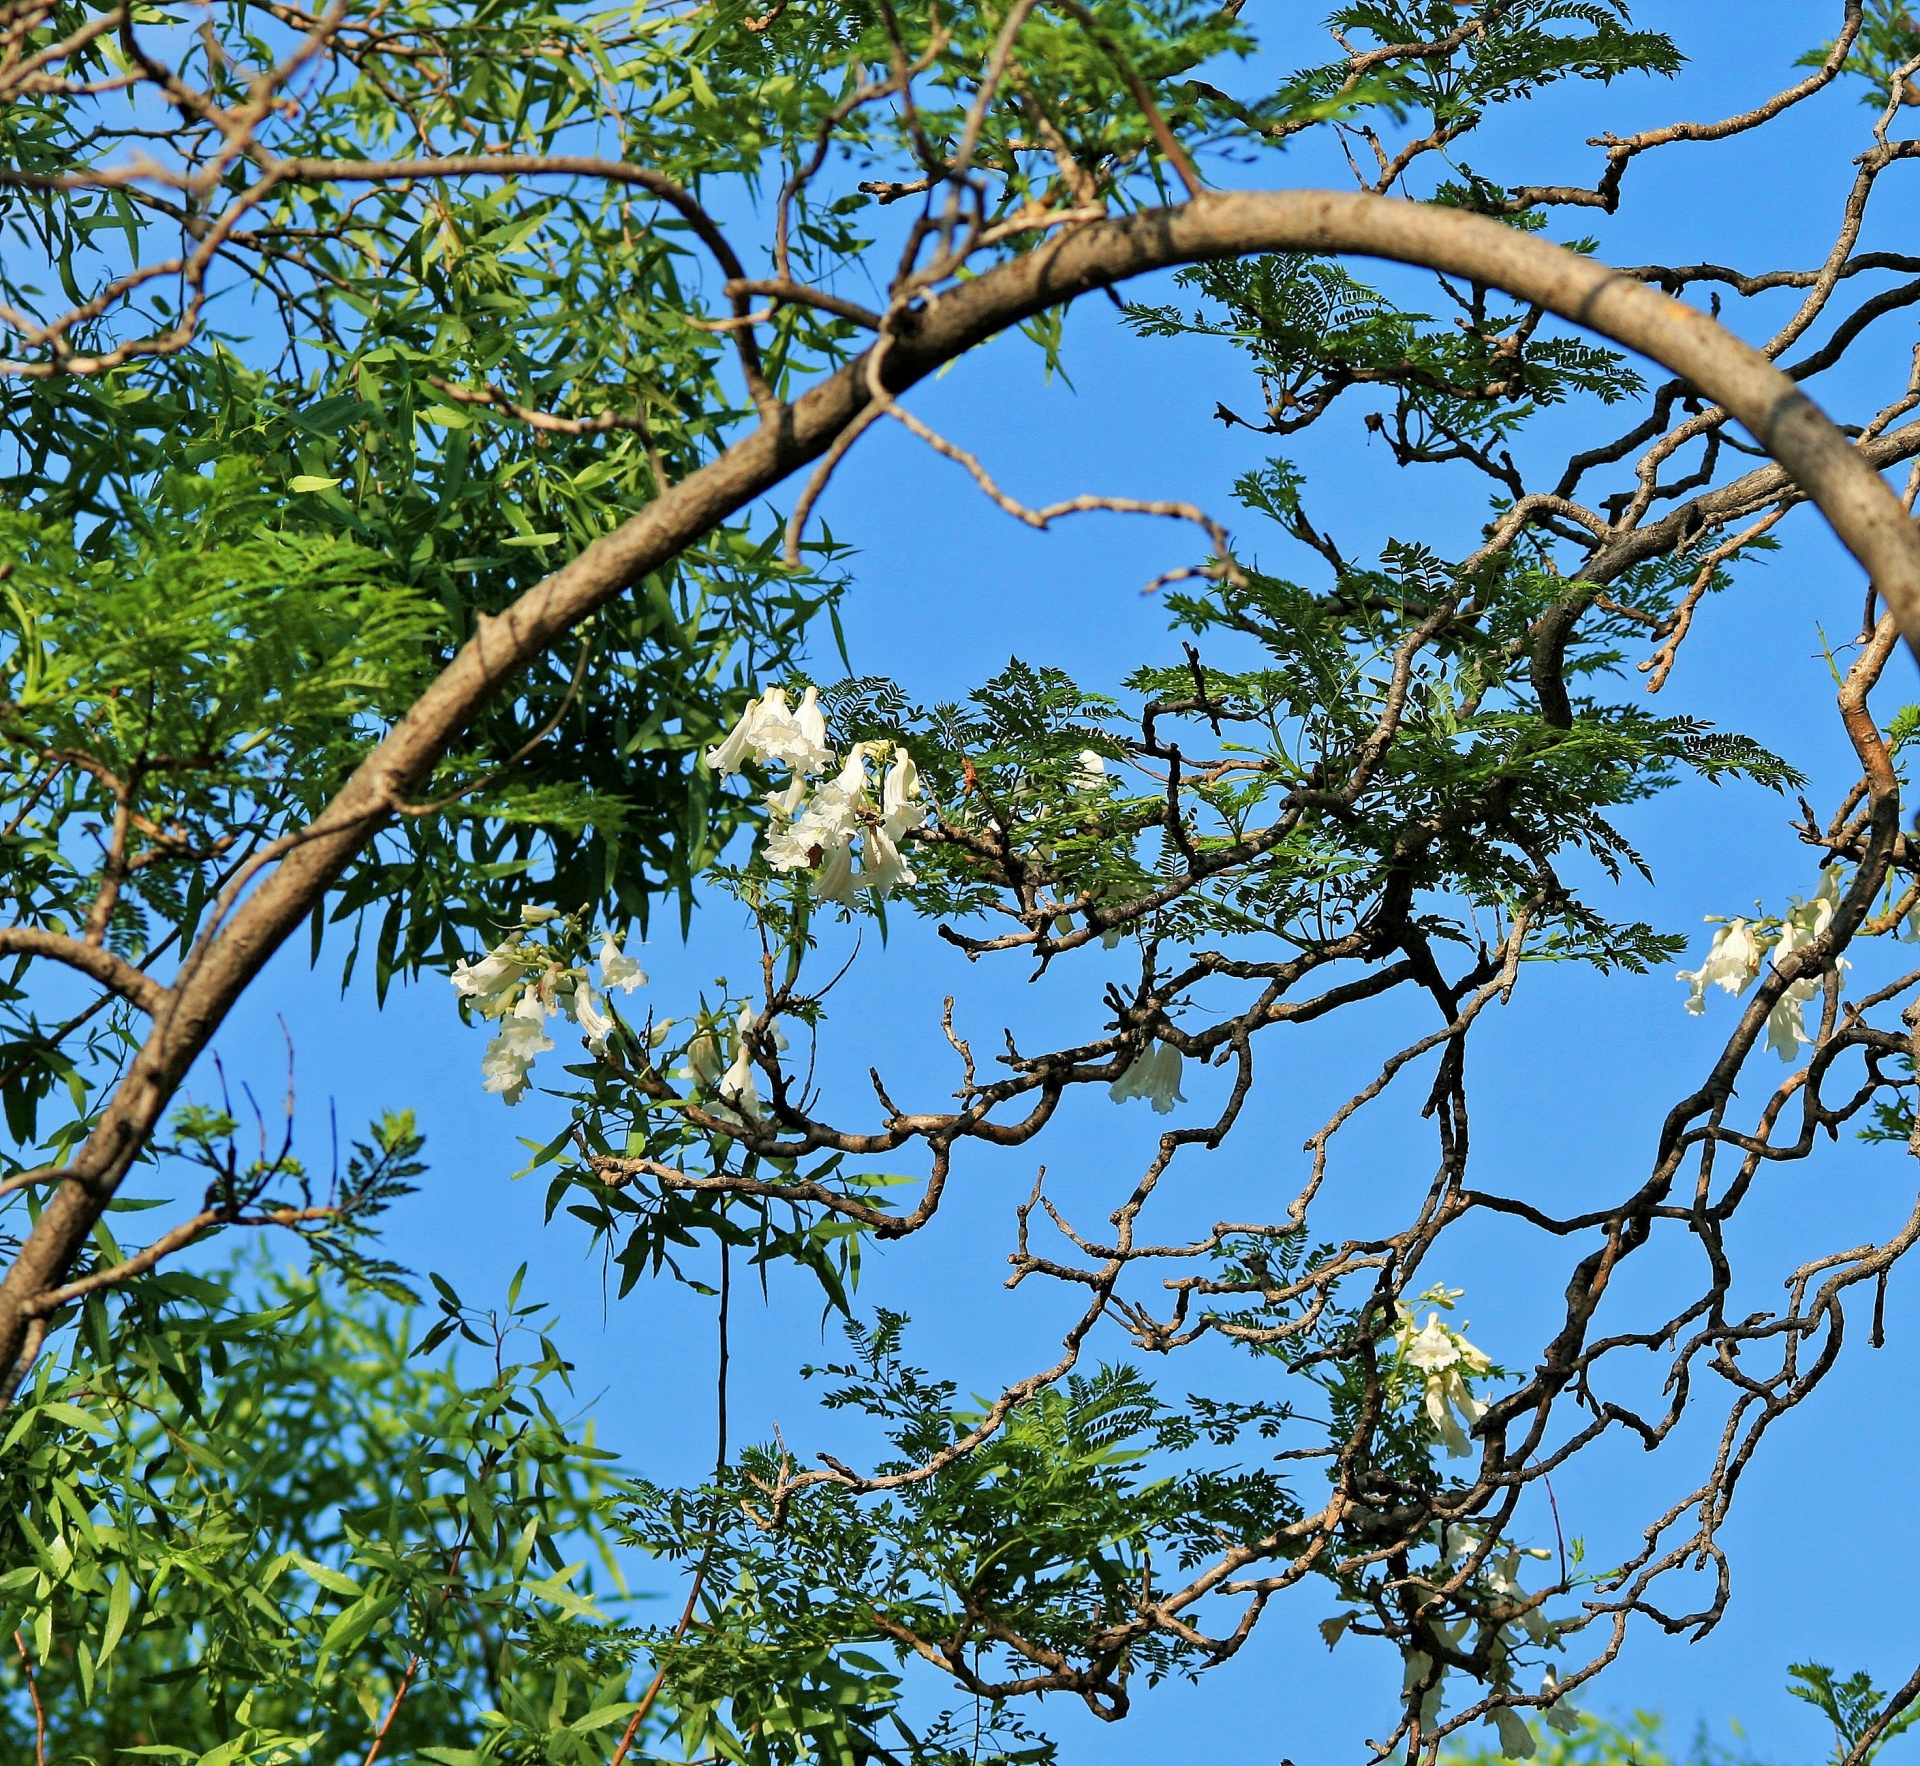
1090, 770
1444, 1357
522, 1037
617, 970
1154, 1075
727, 757
704, 1061
883, 869
1559, 1716
1431, 1349
1445, 1394
1787, 1023
797, 739
586, 1011
1805, 921
835, 881
773, 734
1516, 1739
813, 732
783, 806
736, 1084
538, 916
901, 805
829, 821
493, 980
1732, 964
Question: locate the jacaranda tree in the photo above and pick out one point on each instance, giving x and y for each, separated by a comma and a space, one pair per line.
392, 396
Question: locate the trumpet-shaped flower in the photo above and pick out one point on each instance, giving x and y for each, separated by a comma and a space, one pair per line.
783, 806
1562, 1717
617, 970
1444, 1358
1090, 770
1516, 1739
901, 797
705, 1063
797, 739
509, 1056
1732, 963
819, 833
493, 981
1155, 1076
829, 821
726, 758
736, 1085
1805, 921
587, 1012
883, 867
834, 881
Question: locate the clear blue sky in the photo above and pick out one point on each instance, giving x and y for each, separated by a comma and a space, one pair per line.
1568, 1081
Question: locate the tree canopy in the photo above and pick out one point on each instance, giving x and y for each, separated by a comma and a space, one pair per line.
393, 395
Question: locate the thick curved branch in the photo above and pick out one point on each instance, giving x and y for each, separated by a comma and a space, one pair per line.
1215, 225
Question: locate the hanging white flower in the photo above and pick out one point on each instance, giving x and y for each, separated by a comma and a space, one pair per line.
1732, 963
1503, 1577
901, 796
783, 806
1516, 1739
726, 758
883, 869
799, 739
618, 970
509, 1056
705, 1063
1561, 1716
737, 1086
834, 881
1805, 921
1090, 770
1445, 1358
819, 833
587, 1012
493, 981
1153, 1075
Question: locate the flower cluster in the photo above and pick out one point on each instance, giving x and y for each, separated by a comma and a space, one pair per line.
521, 985
1154, 1075
1445, 1361
774, 735
818, 832
1734, 961
1495, 1584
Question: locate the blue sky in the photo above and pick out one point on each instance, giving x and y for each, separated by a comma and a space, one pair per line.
1567, 1081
